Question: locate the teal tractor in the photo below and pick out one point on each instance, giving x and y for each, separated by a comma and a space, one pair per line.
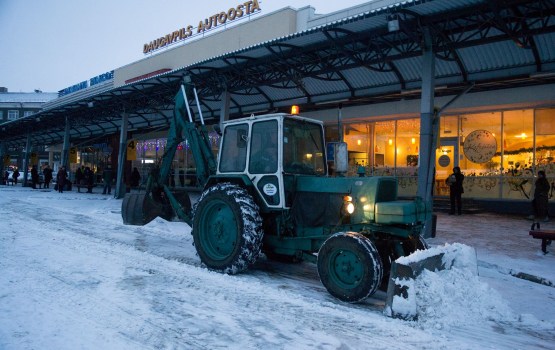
270, 192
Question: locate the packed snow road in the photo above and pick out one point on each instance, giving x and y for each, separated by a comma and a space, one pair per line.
74, 277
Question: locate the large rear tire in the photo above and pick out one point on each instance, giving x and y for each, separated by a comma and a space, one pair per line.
227, 228
349, 266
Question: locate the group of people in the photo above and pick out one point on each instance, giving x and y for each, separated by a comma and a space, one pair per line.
540, 201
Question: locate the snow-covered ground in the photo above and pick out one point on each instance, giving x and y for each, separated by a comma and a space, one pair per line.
72, 276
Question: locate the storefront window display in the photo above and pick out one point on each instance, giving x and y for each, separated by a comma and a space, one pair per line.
499, 152
183, 169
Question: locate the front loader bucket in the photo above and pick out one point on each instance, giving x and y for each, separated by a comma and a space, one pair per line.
401, 292
140, 209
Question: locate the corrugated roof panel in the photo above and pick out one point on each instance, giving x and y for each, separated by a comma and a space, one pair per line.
546, 46
319, 87
495, 56
248, 99
279, 93
446, 68
410, 68
305, 40
428, 8
363, 77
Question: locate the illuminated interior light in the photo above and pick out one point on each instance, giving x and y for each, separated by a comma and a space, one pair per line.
390, 142
413, 140
294, 109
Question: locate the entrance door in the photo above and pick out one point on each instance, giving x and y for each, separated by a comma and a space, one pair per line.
447, 157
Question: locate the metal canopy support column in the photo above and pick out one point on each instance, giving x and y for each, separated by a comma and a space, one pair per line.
224, 110
26, 160
427, 134
65, 149
120, 183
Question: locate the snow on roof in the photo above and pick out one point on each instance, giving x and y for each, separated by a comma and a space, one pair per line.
10, 97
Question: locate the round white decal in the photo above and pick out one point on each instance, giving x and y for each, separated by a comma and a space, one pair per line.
480, 146
269, 189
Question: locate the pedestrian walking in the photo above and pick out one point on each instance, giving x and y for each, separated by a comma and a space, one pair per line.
15, 175
540, 202
61, 178
107, 176
455, 182
34, 177
47, 171
88, 178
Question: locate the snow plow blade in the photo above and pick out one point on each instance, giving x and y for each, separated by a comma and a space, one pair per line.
139, 209
401, 291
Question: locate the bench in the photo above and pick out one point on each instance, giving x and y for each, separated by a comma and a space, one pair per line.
545, 235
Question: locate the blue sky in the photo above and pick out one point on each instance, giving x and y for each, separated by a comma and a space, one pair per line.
52, 44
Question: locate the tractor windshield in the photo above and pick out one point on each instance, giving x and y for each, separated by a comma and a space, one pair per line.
303, 148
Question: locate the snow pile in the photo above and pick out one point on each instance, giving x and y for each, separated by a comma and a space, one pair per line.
455, 297
447, 297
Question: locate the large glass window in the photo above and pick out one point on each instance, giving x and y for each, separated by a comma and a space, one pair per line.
28, 113
407, 142
358, 137
234, 148
384, 147
303, 148
545, 140
480, 127
264, 148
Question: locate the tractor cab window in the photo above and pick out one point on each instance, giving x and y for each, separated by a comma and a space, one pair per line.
233, 156
264, 148
303, 148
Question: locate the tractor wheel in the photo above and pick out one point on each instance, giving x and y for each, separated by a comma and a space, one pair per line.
140, 209
227, 228
349, 266
389, 253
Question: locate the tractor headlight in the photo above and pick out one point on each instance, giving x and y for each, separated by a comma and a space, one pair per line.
348, 205
350, 208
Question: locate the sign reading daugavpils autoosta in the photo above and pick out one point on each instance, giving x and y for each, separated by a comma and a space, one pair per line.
234, 13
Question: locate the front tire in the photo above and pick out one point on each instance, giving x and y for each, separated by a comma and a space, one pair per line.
349, 266
227, 228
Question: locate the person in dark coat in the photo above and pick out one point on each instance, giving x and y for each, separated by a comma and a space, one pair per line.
34, 177
15, 175
107, 177
47, 176
79, 178
541, 198
135, 178
61, 179
455, 182
6, 177
88, 178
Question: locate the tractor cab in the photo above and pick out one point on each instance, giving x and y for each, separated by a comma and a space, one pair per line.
273, 150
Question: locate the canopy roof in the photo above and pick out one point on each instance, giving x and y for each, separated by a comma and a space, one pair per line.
493, 44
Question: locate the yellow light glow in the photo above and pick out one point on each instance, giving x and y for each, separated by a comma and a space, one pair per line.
390, 142
294, 109
359, 142
348, 198
413, 140
363, 199
367, 207
350, 208
309, 156
523, 135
